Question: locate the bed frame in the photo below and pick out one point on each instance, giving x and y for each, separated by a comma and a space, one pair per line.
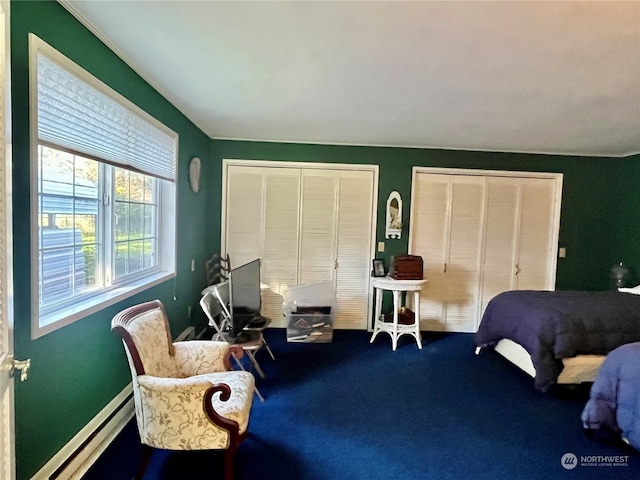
579, 369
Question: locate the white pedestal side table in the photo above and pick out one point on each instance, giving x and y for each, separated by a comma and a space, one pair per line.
394, 329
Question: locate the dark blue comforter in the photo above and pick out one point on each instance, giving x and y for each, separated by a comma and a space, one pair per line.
614, 403
552, 325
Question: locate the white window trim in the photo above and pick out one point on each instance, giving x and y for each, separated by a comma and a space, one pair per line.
167, 260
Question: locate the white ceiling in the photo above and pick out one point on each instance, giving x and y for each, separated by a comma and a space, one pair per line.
545, 77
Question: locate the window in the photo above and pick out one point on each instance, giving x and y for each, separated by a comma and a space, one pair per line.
104, 220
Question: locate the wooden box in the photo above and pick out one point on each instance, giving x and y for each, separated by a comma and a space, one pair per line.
406, 267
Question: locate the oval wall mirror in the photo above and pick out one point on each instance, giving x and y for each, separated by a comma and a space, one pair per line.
394, 216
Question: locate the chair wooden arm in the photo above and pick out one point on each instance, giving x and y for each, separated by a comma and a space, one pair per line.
207, 403
234, 351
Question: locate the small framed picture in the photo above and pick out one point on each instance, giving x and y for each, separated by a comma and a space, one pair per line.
378, 268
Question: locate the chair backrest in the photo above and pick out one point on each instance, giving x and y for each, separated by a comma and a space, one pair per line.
217, 315
145, 332
222, 294
217, 268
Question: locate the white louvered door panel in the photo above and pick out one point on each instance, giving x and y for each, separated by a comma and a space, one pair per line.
279, 267
7, 410
430, 212
244, 214
536, 249
318, 225
501, 230
355, 213
465, 243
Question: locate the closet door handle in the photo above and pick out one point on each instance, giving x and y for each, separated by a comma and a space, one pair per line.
517, 269
445, 268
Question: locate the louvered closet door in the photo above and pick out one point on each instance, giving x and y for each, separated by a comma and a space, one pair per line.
244, 214
536, 249
480, 235
318, 226
335, 238
429, 238
355, 213
279, 267
501, 233
447, 233
465, 244
262, 222
308, 225
519, 236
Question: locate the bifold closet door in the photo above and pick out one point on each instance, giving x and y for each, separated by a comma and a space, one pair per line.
446, 231
519, 248
335, 238
501, 235
537, 242
244, 214
318, 226
480, 235
355, 225
262, 211
308, 225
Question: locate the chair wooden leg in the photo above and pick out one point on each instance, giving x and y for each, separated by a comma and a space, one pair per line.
144, 461
229, 458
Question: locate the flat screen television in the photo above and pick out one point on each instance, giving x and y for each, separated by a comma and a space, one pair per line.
244, 295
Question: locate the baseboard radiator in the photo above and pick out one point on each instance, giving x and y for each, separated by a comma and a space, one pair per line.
76, 457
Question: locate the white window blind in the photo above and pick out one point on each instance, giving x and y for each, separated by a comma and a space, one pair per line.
104, 174
77, 116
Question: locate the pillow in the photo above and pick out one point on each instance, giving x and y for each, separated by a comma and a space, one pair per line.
634, 290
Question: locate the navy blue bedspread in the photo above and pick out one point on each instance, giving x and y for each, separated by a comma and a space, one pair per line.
614, 402
552, 325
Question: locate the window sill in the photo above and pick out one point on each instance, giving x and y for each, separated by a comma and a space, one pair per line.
66, 316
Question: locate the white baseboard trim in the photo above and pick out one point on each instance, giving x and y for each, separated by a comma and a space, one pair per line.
73, 460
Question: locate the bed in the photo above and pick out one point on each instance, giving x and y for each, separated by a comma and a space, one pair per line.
613, 409
559, 336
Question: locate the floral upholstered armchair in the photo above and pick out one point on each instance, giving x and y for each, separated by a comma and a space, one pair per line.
186, 395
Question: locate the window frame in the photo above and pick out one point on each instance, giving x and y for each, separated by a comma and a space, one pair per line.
42, 324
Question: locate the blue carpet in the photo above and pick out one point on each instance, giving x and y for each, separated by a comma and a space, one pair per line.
354, 410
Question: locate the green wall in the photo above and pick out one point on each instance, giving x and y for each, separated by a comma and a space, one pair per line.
589, 204
75, 371
78, 369
626, 196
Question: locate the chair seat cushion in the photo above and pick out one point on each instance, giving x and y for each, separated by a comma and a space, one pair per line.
238, 407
